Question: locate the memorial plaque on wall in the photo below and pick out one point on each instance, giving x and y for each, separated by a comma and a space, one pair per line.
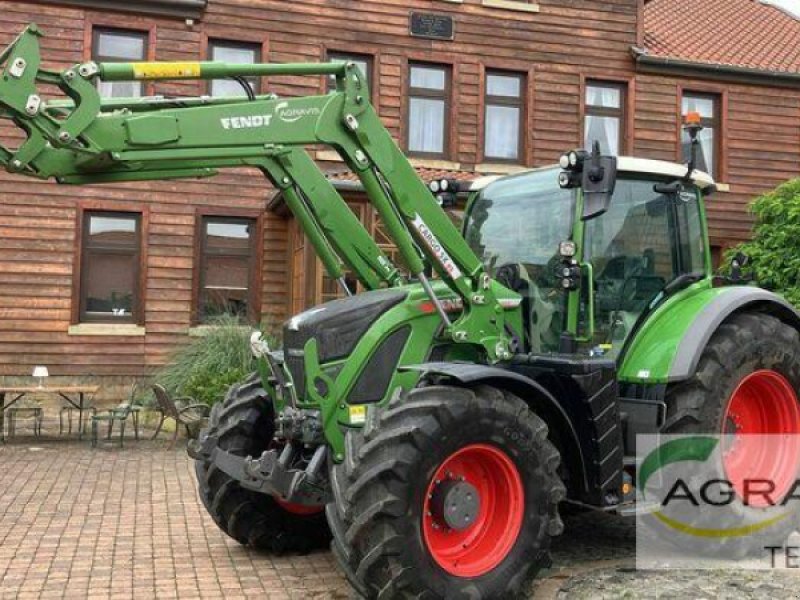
431, 26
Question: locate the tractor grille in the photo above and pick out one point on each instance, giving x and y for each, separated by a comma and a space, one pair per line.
296, 366
337, 326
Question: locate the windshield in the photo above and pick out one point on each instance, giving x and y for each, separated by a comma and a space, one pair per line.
515, 226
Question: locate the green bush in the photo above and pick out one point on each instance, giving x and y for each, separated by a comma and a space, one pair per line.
207, 366
774, 250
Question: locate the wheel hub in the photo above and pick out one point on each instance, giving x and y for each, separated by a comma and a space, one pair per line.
455, 504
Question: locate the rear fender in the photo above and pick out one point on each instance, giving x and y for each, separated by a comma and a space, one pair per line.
668, 347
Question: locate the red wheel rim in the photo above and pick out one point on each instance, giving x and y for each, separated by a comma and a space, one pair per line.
763, 404
485, 543
298, 509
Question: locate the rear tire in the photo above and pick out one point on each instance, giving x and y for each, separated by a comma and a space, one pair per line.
746, 384
392, 539
745, 344
244, 426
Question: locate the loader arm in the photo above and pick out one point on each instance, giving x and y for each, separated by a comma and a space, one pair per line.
87, 140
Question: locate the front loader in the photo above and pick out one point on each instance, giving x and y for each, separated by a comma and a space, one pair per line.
433, 424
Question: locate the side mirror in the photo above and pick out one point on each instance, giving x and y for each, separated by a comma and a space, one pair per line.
739, 261
667, 189
596, 174
599, 181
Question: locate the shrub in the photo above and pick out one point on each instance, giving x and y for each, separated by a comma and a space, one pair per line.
774, 250
207, 366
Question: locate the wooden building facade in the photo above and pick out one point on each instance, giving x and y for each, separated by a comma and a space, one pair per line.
105, 281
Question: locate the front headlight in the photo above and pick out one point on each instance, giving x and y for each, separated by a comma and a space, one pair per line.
258, 345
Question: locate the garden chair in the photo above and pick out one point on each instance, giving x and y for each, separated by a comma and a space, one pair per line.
118, 414
67, 410
185, 411
25, 409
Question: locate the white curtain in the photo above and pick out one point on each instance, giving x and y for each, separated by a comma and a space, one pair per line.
426, 125
602, 97
502, 132
604, 130
119, 89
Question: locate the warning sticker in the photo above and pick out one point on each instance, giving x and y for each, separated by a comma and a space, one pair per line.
166, 70
358, 415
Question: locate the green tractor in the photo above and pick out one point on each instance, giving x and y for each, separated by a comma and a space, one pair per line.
433, 424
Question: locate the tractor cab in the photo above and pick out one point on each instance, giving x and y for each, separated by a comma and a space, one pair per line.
587, 277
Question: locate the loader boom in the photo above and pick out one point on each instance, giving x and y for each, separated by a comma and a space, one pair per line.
89, 140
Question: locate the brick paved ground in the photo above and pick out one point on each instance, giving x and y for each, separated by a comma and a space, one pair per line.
127, 523
110, 523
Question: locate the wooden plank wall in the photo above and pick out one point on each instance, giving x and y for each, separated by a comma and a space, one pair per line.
38, 230
558, 48
38, 220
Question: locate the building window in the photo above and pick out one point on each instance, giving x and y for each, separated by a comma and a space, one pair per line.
236, 53
119, 45
227, 268
110, 267
428, 110
504, 102
707, 106
604, 119
362, 61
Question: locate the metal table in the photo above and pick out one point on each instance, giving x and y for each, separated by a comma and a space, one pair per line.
67, 392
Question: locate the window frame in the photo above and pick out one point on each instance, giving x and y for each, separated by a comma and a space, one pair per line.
99, 29
715, 122
621, 113
520, 102
255, 260
258, 50
444, 95
85, 247
369, 59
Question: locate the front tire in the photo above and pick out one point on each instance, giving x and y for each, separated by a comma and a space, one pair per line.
244, 425
406, 521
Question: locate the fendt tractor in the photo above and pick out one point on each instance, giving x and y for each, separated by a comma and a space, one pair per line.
432, 424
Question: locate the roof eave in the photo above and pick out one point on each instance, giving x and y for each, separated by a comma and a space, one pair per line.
184, 9
648, 63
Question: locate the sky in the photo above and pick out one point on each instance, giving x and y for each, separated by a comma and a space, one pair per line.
790, 6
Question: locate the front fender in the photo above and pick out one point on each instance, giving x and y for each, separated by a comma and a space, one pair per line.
532, 393
669, 345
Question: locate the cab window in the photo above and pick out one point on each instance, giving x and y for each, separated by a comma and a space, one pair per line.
644, 241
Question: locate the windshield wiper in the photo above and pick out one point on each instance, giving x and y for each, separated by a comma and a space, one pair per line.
679, 283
